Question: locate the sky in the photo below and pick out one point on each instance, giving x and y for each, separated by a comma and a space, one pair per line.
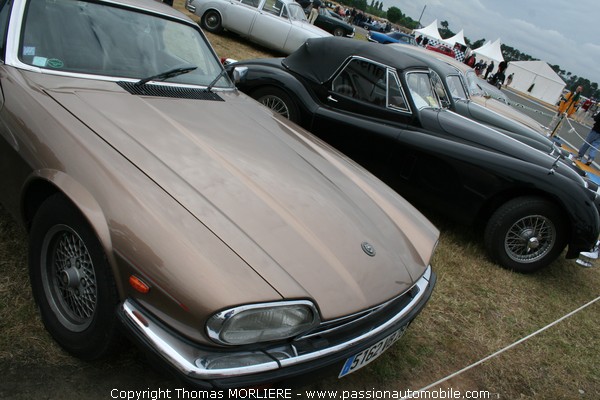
556, 31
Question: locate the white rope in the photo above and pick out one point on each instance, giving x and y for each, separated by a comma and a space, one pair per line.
506, 348
573, 130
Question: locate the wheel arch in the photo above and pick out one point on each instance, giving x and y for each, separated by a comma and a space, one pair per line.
263, 78
43, 184
494, 202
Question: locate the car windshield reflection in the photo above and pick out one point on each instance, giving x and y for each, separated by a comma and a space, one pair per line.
95, 39
422, 91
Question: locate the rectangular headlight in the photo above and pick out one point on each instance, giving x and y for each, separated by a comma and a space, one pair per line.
265, 322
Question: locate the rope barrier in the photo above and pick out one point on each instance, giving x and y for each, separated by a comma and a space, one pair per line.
497, 353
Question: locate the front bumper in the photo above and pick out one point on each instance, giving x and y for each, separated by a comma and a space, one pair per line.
198, 365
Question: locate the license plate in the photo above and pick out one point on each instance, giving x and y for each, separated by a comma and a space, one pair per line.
361, 359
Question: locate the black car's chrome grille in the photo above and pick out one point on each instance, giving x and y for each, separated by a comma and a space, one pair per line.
169, 91
331, 332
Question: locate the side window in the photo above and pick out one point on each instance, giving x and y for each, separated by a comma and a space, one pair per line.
273, 7
4, 15
364, 81
251, 3
396, 97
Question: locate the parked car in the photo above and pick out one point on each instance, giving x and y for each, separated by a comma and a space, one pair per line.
459, 99
380, 107
280, 25
443, 49
234, 247
392, 37
374, 26
333, 23
489, 96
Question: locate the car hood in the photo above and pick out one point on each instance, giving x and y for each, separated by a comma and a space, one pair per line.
509, 112
293, 211
458, 128
500, 117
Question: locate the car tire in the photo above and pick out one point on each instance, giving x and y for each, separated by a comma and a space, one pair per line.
212, 22
71, 281
525, 234
338, 32
278, 101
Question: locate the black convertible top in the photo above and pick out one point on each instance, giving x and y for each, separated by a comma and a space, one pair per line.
318, 59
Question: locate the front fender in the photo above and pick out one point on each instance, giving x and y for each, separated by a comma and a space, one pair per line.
261, 75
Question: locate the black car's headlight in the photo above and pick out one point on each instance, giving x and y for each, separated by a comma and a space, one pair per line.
264, 322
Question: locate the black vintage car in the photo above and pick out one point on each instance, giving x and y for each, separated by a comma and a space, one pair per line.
380, 107
454, 95
331, 22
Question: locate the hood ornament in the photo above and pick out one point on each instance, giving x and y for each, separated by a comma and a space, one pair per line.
368, 249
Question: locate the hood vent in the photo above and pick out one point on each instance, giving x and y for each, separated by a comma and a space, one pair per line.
169, 91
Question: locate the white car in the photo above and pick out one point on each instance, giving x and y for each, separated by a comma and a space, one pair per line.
280, 25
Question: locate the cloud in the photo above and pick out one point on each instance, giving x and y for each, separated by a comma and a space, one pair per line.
558, 33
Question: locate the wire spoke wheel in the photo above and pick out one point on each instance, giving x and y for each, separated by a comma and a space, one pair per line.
69, 278
530, 239
276, 104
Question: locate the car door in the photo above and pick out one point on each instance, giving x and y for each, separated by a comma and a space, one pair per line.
272, 25
364, 113
241, 15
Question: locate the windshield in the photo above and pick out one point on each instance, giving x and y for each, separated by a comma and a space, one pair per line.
296, 12
421, 90
456, 88
472, 84
99, 39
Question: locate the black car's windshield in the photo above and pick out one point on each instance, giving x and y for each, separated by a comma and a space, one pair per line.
422, 90
99, 39
456, 87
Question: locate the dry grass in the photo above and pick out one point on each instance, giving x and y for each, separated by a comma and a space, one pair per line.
477, 308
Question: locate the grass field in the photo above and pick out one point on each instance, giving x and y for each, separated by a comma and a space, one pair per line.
477, 309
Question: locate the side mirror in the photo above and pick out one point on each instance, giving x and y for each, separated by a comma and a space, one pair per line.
239, 74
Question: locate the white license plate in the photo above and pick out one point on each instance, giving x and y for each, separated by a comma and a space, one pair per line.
361, 359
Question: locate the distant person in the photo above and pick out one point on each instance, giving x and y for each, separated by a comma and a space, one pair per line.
509, 79
569, 102
419, 39
591, 143
498, 78
314, 11
582, 110
488, 70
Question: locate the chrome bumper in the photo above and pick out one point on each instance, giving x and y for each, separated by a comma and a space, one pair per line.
196, 362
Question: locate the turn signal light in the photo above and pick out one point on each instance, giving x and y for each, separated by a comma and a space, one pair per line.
138, 284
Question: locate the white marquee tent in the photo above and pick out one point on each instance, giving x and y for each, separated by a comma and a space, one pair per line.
430, 31
458, 38
537, 79
491, 51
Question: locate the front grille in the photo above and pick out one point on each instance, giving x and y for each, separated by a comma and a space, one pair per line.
169, 91
330, 333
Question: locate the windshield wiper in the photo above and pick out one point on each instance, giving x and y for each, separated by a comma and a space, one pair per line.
166, 75
214, 81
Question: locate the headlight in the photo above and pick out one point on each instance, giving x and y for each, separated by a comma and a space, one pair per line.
262, 322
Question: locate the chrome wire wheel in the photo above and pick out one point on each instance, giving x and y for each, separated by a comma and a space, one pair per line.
530, 239
69, 278
276, 104
279, 101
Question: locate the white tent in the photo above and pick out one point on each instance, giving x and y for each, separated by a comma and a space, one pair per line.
490, 51
458, 38
536, 79
430, 31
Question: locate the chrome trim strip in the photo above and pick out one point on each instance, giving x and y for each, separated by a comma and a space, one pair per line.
184, 356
